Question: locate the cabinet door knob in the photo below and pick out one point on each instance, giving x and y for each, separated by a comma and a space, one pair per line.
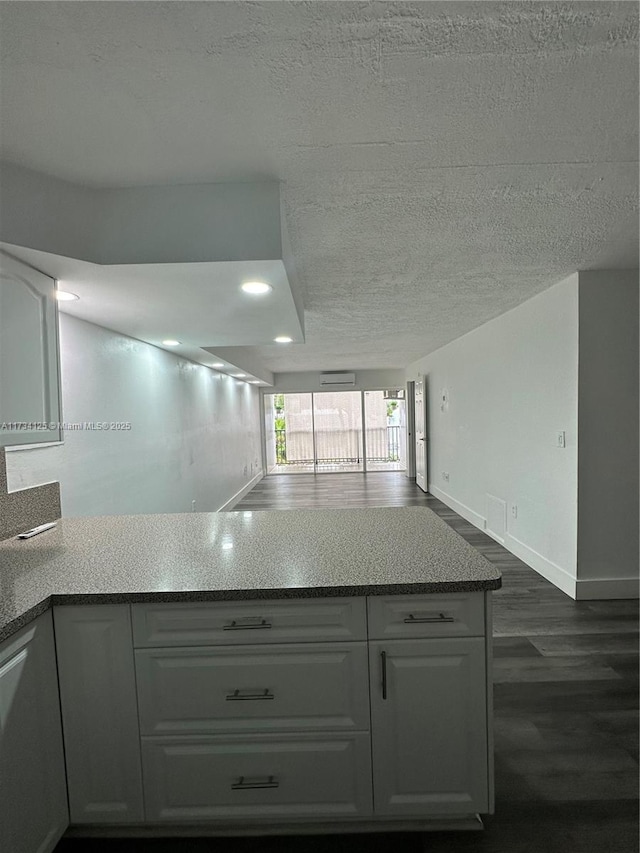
244, 784
238, 696
420, 620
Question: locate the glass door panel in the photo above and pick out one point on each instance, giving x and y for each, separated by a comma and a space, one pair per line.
289, 433
337, 419
385, 430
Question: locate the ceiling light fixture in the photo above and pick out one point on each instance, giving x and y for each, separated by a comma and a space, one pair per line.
65, 296
283, 339
256, 288
170, 343
240, 375
217, 364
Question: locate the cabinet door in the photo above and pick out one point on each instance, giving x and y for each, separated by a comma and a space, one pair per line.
257, 777
99, 713
235, 623
429, 727
300, 686
29, 369
33, 793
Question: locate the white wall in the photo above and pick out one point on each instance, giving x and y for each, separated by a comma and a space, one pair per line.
41, 212
133, 225
194, 434
512, 385
366, 380
608, 433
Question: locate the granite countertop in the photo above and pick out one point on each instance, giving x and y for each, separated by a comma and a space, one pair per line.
235, 555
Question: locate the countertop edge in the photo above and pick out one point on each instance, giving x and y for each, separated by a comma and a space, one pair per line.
434, 587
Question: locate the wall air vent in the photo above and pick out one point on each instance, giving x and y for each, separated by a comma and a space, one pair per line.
335, 380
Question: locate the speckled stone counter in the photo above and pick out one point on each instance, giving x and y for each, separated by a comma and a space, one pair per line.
235, 555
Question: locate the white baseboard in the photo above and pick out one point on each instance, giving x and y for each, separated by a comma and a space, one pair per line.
229, 505
463, 510
551, 571
594, 588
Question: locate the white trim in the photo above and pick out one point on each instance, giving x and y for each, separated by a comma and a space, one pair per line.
551, 571
463, 510
13, 447
226, 507
555, 574
607, 588
266, 826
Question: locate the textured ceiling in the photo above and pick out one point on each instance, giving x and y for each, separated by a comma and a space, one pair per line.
441, 162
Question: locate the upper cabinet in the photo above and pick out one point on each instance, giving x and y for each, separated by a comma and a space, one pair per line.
30, 411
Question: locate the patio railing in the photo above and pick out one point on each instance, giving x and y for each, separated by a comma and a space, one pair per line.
338, 447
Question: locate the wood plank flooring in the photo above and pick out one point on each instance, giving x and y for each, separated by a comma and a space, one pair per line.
565, 695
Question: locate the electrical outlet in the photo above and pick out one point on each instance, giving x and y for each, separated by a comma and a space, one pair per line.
445, 476
561, 439
193, 506
245, 471
514, 510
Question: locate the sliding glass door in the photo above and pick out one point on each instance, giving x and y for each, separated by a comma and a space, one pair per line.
337, 419
289, 434
326, 432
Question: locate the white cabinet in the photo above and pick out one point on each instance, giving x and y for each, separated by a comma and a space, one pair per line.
294, 687
429, 727
410, 617
233, 729
99, 713
266, 777
29, 363
371, 710
235, 623
33, 795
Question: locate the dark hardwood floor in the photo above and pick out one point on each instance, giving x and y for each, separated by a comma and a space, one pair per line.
565, 695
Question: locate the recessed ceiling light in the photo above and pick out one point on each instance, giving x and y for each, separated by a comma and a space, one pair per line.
217, 364
65, 296
240, 375
283, 339
170, 343
254, 381
256, 288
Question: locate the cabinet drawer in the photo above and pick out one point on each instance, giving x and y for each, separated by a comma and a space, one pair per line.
420, 616
239, 622
294, 776
253, 688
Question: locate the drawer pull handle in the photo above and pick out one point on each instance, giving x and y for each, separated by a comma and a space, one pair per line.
418, 620
244, 784
248, 624
237, 696
383, 661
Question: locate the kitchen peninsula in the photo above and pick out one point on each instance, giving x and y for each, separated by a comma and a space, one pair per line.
320, 670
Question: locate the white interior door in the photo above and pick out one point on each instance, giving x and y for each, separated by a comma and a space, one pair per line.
420, 434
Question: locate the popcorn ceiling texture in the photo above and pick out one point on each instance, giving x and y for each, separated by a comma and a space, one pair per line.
27, 508
236, 555
440, 162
